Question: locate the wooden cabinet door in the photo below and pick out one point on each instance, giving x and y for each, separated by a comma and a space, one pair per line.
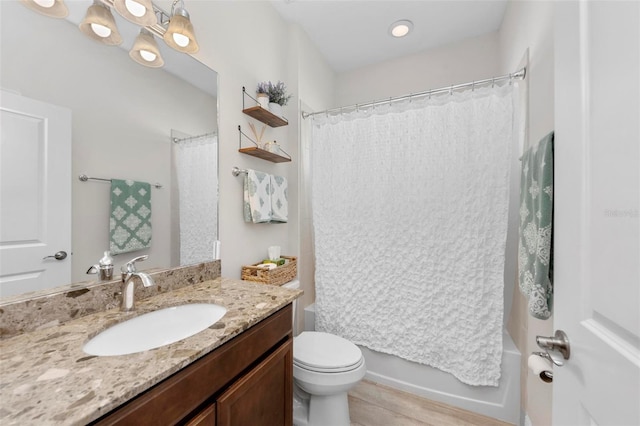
206, 417
264, 396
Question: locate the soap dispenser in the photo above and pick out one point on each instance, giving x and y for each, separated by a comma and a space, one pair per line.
104, 268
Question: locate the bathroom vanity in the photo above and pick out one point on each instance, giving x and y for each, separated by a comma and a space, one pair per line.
247, 381
237, 371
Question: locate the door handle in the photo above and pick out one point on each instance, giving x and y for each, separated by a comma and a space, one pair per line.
558, 342
58, 256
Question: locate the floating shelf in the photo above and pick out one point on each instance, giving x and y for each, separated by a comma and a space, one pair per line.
261, 114
265, 155
256, 151
265, 116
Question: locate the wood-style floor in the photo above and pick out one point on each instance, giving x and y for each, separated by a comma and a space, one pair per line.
372, 404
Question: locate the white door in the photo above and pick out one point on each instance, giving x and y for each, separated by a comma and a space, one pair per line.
597, 211
35, 195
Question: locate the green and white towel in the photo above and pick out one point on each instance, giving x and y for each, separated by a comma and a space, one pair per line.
257, 197
130, 220
279, 199
535, 250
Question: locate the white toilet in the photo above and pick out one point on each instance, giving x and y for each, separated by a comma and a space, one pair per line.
325, 367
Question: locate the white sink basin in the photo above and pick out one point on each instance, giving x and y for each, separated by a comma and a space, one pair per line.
155, 329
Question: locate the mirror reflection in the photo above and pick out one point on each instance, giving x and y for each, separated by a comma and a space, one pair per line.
127, 122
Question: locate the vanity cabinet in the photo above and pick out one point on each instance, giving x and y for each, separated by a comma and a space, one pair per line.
246, 381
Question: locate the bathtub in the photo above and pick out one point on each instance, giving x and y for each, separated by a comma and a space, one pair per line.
502, 402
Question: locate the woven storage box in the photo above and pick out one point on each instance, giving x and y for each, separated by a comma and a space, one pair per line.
278, 276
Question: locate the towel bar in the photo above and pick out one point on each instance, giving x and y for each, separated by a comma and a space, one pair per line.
85, 178
237, 172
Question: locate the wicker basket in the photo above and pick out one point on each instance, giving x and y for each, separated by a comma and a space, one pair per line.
278, 276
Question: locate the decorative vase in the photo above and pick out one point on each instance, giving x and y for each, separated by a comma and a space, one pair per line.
263, 100
275, 108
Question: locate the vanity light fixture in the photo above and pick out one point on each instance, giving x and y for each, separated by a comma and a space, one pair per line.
140, 12
401, 28
145, 50
180, 34
52, 8
100, 25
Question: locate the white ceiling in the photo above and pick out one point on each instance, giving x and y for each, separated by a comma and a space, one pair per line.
354, 33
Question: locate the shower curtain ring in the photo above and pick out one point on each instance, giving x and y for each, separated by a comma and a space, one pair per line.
451, 90
493, 82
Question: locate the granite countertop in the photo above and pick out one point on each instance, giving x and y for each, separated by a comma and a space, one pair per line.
46, 378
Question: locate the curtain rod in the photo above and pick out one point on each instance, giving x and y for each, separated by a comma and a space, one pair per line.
518, 75
189, 138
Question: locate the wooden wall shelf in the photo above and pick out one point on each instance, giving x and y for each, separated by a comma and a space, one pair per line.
265, 116
265, 155
255, 151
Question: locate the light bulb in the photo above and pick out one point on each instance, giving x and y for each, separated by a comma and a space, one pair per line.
148, 56
45, 3
135, 8
181, 40
400, 31
100, 30
401, 28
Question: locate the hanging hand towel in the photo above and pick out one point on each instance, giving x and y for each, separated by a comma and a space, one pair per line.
279, 199
130, 220
257, 197
535, 255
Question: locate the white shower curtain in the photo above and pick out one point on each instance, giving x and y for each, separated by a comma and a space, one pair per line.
410, 206
196, 163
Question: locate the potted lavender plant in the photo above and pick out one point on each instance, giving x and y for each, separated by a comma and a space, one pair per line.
277, 96
262, 94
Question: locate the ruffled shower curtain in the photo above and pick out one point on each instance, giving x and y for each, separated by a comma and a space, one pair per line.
410, 205
196, 163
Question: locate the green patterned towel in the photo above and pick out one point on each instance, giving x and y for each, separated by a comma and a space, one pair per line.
130, 220
257, 197
535, 250
279, 199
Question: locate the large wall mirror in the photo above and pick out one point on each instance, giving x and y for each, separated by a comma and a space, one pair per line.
128, 122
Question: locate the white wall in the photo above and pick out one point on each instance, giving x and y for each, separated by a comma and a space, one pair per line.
122, 116
471, 59
529, 25
246, 43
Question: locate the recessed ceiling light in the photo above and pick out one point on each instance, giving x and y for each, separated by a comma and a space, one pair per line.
401, 28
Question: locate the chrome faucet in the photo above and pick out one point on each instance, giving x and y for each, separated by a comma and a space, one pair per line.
128, 274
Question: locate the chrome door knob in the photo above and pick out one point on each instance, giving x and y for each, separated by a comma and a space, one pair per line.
58, 256
559, 342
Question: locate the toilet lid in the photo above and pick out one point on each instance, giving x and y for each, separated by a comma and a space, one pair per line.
319, 351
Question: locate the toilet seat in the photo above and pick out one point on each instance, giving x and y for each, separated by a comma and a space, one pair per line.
325, 353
